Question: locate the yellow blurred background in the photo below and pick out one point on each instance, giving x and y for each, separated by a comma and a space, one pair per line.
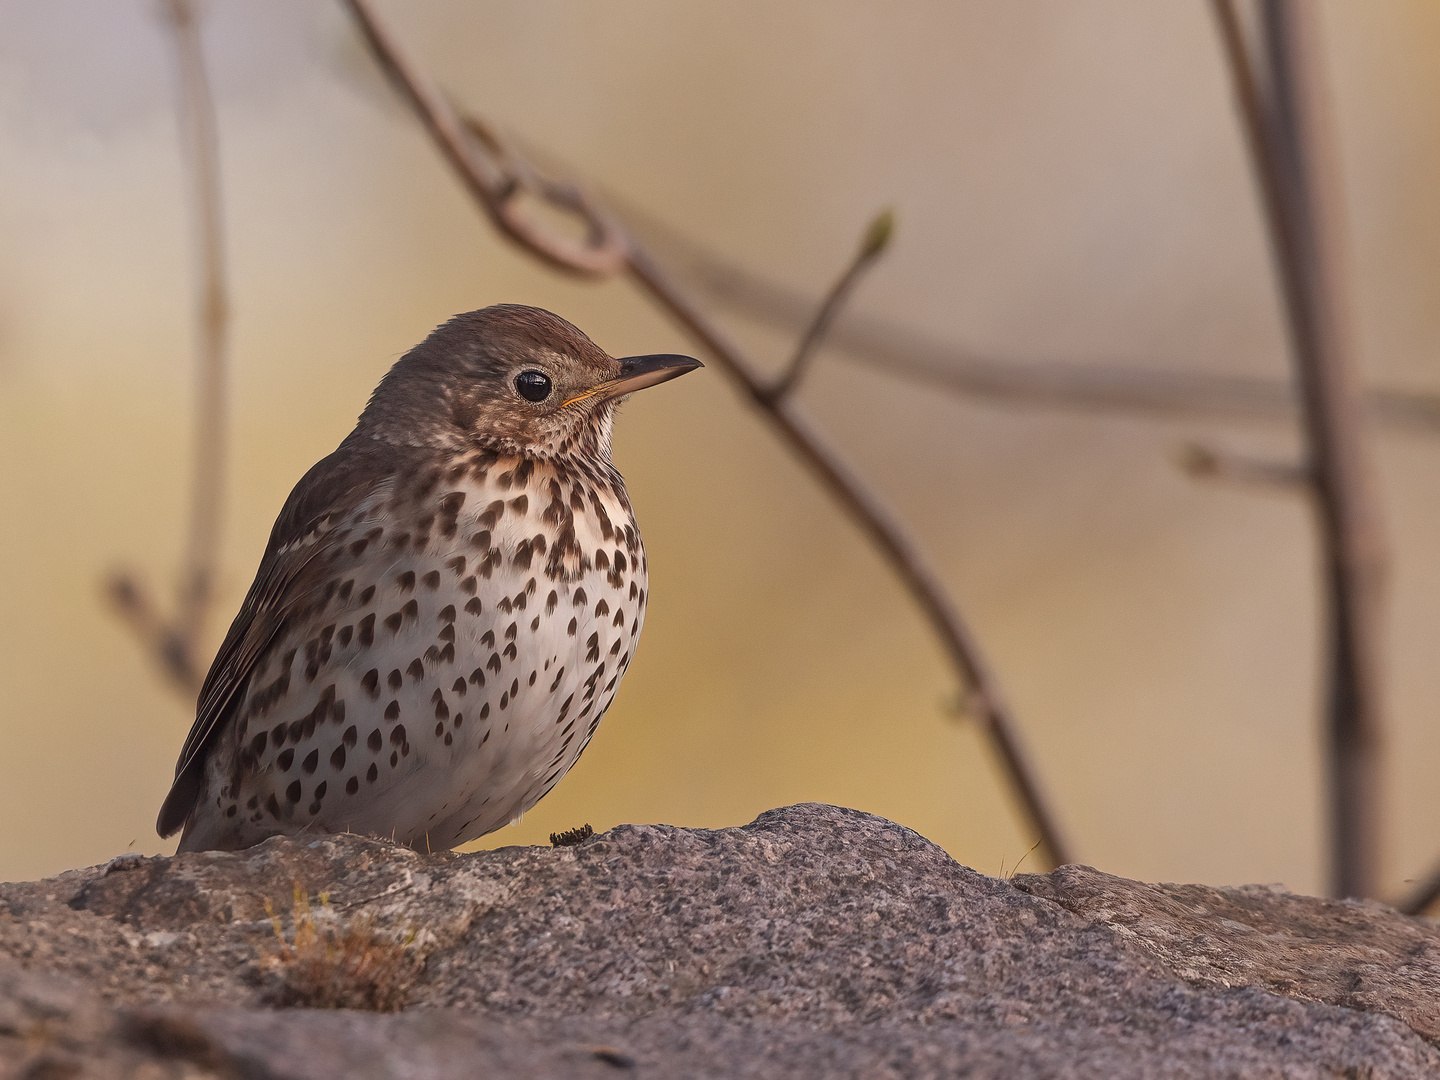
1070, 184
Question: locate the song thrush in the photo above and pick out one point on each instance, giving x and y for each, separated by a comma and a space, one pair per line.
445, 608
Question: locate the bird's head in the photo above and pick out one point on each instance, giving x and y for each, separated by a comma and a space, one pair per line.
518, 380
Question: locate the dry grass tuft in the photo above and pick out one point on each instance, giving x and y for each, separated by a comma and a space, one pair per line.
325, 964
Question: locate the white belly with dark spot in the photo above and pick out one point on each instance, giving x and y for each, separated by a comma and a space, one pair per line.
431, 702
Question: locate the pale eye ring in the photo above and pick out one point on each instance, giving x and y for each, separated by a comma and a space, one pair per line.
533, 385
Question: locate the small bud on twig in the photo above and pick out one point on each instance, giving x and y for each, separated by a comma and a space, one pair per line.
874, 242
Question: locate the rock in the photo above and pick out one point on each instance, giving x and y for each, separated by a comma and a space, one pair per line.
814, 942
1364, 957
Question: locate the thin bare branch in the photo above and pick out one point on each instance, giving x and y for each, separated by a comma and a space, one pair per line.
1088, 386
158, 637
984, 696
173, 643
1288, 123
200, 142
1212, 463
854, 496
872, 245
1423, 897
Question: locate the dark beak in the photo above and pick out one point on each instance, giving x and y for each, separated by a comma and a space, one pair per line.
638, 372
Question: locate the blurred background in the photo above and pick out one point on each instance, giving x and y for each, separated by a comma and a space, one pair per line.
1070, 184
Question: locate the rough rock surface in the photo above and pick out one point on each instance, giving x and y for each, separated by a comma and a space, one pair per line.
814, 942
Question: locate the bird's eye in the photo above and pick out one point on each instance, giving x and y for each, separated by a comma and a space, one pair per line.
533, 385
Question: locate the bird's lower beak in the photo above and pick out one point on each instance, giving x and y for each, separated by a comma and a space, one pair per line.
638, 372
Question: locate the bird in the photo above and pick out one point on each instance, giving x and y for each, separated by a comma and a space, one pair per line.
445, 607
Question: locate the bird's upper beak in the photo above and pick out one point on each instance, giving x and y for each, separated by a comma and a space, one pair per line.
638, 372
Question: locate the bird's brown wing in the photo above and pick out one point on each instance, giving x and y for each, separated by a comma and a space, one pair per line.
308, 532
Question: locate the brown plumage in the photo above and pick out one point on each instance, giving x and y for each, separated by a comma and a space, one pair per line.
444, 609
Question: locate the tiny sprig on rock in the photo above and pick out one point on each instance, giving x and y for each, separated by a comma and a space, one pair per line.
571, 837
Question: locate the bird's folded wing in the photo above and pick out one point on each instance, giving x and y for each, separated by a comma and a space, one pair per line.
282, 587
308, 533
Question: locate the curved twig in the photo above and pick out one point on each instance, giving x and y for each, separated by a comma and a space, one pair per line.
477, 155
862, 505
197, 120
173, 643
